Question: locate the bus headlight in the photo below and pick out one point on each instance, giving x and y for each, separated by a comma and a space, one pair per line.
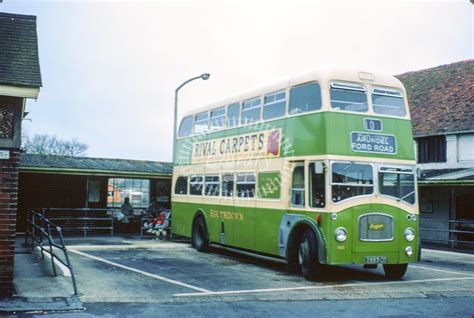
409, 251
341, 234
409, 234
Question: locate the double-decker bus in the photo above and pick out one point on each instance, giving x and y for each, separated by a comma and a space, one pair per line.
315, 170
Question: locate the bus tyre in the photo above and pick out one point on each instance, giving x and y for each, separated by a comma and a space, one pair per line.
308, 256
395, 271
199, 235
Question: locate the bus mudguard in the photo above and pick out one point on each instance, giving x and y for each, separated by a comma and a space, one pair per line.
291, 222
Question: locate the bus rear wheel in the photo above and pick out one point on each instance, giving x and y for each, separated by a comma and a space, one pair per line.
199, 235
308, 256
395, 271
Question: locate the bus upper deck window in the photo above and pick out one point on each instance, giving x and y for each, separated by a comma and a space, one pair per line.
186, 127
217, 118
305, 98
233, 115
274, 105
201, 123
388, 101
350, 97
251, 111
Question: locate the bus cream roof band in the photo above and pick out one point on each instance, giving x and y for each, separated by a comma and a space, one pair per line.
323, 76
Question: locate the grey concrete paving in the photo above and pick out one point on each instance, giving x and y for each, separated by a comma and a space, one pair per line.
36, 288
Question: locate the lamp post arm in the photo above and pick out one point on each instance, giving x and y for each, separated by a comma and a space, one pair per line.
186, 82
175, 122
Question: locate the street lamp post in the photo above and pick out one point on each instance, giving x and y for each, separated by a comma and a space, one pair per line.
204, 76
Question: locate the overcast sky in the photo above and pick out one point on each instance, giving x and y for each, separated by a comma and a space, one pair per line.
110, 68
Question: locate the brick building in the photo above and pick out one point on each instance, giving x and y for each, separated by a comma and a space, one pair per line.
20, 79
442, 110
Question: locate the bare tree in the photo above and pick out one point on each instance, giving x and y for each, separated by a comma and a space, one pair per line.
51, 145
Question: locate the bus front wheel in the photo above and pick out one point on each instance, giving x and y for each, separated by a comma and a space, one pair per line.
308, 256
395, 271
199, 235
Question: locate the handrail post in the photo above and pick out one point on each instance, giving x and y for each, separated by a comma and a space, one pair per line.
85, 223
27, 223
68, 262
41, 240
33, 229
51, 250
112, 232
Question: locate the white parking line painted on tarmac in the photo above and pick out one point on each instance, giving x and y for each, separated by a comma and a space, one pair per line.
269, 290
440, 270
174, 247
158, 277
447, 253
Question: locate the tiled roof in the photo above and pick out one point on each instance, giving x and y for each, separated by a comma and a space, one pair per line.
19, 62
441, 98
82, 165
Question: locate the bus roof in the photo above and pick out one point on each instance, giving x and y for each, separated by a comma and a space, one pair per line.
323, 76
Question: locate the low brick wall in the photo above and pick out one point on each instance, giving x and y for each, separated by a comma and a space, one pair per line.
8, 211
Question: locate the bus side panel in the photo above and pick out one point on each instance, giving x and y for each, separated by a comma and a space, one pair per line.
267, 232
304, 136
182, 217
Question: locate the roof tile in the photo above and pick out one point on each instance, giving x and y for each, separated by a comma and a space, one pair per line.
19, 62
441, 98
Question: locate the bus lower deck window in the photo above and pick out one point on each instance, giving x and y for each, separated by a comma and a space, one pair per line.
195, 185
227, 185
317, 186
181, 186
245, 185
212, 186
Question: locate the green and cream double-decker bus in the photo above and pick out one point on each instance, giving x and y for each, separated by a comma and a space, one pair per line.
315, 170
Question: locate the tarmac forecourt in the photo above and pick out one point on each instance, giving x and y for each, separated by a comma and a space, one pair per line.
161, 271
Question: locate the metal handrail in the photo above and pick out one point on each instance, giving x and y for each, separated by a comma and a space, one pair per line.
40, 228
83, 219
454, 227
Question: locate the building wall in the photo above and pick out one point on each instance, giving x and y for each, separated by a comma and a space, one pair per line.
441, 203
8, 211
435, 210
41, 190
53, 190
459, 153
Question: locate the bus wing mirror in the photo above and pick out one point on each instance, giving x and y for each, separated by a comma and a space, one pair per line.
319, 167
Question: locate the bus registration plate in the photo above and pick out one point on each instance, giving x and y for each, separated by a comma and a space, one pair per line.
375, 259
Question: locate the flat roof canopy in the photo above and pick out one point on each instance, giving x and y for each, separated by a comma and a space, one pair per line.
34, 163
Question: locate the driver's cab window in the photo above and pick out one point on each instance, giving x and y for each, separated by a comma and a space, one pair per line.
297, 186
